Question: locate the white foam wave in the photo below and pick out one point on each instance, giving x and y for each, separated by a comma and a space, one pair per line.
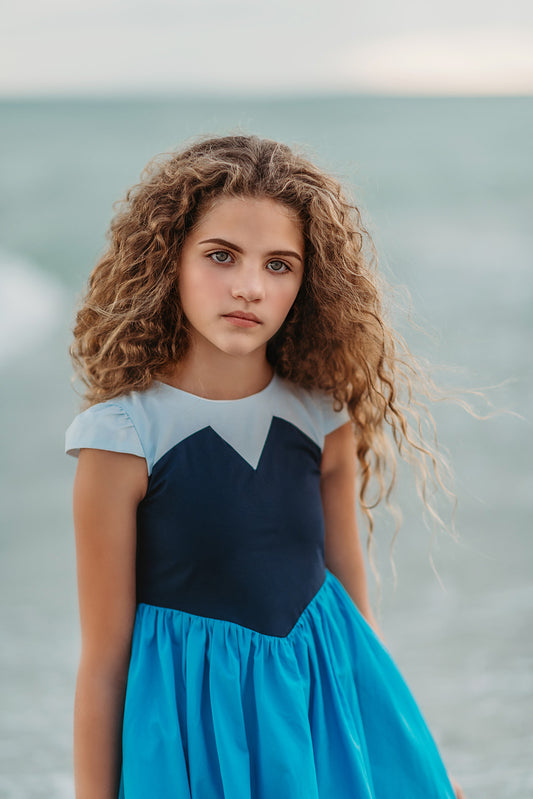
32, 304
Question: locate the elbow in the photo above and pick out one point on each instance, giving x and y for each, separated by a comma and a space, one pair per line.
101, 679
106, 665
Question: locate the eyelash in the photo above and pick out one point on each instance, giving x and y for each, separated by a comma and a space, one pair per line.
275, 261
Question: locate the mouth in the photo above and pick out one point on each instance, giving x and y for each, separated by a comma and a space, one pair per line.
245, 317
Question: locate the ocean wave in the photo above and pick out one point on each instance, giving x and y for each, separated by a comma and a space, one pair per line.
32, 304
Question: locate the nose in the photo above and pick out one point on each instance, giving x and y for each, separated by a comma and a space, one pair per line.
248, 282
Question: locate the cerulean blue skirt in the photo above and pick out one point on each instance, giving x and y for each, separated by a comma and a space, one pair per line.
214, 709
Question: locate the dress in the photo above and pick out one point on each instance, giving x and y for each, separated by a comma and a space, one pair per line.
253, 675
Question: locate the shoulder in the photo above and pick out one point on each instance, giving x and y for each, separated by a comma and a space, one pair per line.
332, 415
313, 409
120, 424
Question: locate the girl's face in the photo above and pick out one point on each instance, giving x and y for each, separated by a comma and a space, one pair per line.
245, 255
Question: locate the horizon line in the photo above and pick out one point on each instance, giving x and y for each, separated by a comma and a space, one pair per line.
255, 96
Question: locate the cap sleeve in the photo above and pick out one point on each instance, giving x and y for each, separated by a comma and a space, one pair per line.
331, 419
105, 425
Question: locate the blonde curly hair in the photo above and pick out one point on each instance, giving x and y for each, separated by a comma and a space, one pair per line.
131, 329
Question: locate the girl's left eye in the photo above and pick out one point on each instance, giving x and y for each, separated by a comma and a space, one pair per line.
281, 263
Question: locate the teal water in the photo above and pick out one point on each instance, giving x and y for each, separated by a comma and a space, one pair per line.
445, 186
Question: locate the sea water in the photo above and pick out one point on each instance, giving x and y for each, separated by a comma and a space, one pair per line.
445, 188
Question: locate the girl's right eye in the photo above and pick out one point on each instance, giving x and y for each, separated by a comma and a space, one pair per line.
220, 252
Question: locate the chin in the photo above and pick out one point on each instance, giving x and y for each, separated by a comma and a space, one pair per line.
240, 352
241, 349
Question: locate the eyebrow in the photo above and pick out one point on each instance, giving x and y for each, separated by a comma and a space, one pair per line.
225, 243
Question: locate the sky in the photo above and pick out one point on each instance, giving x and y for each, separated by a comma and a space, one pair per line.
260, 47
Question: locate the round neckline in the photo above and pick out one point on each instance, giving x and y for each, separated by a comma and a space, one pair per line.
218, 401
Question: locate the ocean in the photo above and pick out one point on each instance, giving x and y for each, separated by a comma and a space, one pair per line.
445, 188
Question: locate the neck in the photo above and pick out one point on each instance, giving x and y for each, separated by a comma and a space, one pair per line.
229, 377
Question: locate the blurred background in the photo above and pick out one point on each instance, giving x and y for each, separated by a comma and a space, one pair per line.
425, 113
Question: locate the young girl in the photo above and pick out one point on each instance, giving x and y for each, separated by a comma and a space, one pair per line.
239, 372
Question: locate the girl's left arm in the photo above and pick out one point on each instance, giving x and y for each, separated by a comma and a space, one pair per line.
343, 550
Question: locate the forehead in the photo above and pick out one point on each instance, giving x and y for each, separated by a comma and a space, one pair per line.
251, 217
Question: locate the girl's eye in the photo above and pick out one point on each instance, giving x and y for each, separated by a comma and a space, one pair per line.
224, 257
280, 264
224, 260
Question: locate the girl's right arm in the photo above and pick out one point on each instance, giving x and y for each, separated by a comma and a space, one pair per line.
108, 486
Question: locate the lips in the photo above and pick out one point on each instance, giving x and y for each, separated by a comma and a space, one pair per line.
241, 315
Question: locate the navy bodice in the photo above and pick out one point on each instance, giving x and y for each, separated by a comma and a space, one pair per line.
231, 526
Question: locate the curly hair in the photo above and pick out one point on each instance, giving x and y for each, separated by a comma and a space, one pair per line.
131, 329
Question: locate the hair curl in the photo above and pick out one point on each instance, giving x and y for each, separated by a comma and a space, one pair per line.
131, 328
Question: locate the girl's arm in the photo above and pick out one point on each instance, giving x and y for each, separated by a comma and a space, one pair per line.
107, 489
343, 551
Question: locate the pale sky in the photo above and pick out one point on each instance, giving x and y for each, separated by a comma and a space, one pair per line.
266, 46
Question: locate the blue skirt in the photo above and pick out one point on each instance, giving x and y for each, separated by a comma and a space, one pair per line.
214, 709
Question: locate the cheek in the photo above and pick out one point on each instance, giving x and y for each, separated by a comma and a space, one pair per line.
194, 288
288, 297
282, 304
